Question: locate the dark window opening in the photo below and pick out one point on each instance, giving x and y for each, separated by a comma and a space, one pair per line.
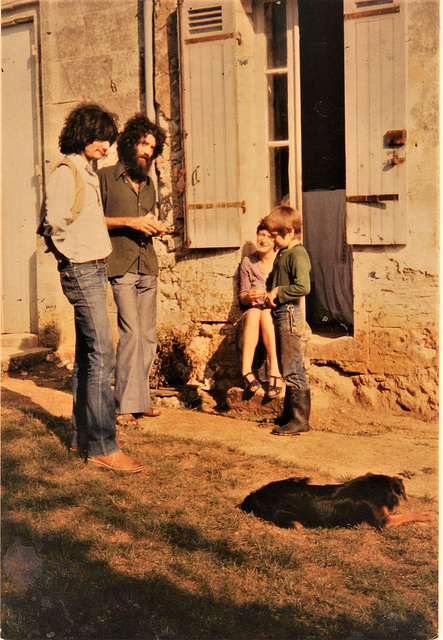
329, 306
322, 94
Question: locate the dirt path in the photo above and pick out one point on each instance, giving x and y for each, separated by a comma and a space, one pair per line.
342, 443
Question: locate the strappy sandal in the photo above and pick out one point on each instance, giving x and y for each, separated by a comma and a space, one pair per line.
251, 385
126, 420
274, 390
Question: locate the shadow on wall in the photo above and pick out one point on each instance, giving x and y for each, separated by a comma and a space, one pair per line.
167, 93
224, 365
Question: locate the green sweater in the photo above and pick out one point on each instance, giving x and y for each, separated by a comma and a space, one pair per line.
132, 250
291, 274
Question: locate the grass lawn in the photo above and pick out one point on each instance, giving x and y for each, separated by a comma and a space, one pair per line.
167, 554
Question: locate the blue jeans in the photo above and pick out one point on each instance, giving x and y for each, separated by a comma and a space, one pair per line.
93, 416
289, 323
136, 299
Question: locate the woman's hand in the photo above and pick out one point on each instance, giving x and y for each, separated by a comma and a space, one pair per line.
256, 294
253, 295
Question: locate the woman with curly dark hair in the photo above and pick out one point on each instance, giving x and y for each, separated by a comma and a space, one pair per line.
75, 223
129, 203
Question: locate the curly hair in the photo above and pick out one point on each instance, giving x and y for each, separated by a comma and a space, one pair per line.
86, 123
135, 129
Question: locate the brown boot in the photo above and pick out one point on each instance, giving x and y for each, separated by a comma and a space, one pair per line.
117, 461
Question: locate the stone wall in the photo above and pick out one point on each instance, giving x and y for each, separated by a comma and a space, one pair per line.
95, 50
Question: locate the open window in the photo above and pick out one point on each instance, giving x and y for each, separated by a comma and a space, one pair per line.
306, 145
348, 157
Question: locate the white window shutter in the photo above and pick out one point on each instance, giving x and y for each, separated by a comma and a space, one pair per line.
376, 136
209, 45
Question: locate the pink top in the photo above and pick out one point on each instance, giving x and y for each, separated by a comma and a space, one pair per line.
252, 277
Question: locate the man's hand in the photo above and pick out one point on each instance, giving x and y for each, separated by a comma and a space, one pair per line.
148, 225
161, 229
271, 298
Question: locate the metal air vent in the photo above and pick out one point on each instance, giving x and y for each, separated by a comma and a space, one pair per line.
205, 20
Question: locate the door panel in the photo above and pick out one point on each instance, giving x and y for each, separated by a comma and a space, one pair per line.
20, 188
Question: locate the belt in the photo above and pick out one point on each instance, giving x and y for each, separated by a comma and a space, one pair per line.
65, 263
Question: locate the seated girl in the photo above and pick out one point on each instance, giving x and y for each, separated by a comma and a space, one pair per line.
254, 270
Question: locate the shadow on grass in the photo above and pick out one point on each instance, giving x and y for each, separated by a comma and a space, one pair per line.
81, 598
102, 579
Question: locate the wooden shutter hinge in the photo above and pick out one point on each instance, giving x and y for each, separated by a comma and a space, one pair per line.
219, 205
213, 38
372, 12
373, 198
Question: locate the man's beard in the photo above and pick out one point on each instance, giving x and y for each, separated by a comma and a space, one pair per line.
136, 169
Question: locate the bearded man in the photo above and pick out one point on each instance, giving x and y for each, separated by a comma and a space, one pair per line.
129, 201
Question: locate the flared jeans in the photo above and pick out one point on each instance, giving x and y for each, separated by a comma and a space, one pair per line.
136, 297
93, 416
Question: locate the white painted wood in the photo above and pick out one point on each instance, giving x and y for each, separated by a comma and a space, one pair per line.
20, 188
294, 107
375, 102
210, 124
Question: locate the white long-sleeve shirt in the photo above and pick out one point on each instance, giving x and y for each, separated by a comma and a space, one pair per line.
86, 238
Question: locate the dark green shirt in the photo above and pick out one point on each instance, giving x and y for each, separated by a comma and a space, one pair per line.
290, 274
132, 250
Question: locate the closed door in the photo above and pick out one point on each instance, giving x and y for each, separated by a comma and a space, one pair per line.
20, 186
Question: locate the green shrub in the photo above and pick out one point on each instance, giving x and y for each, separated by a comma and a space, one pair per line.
173, 364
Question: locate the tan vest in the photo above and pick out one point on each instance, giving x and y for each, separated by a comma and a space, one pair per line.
76, 209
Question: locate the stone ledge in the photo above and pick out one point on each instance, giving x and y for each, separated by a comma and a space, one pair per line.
243, 403
19, 341
13, 359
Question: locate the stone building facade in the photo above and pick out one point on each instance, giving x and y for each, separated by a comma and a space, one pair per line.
144, 55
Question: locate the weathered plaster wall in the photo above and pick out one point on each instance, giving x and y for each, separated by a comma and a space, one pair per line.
394, 351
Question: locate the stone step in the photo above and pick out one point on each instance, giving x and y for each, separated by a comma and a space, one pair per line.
19, 340
13, 358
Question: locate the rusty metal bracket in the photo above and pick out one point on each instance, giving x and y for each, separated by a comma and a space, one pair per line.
222, 36
396, 137
372, 12
394, 158
373, 198
219, 205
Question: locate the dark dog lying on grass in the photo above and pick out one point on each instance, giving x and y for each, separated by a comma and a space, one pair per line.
369, 499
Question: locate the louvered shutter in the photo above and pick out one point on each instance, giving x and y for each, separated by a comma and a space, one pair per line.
376, 137
208, 45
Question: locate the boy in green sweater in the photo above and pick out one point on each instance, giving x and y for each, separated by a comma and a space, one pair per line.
287, 284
